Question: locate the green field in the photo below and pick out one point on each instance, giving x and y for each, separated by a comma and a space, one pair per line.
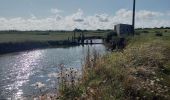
148, 35
24, 36
42, 36
15, 41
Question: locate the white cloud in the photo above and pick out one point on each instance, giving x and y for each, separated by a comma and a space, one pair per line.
140, 15
78, 16
144, 14
102, 17
168, 13
78, 19
55, 11
124, 13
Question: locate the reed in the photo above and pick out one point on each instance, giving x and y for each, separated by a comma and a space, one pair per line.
138, 72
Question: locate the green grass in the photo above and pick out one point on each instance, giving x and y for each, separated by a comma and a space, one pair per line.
140, 71
23, 36
148, 37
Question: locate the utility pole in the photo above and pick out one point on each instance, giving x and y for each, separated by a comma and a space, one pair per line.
133, 19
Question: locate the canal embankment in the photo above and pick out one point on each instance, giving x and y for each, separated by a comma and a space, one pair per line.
139, 71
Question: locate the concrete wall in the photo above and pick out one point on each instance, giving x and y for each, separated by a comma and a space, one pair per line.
122, 29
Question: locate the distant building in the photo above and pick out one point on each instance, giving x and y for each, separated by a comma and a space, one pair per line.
123, 29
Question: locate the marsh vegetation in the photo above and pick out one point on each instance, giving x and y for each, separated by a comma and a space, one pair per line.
140, 71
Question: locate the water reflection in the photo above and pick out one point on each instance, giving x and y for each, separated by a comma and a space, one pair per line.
25, 69
19, 71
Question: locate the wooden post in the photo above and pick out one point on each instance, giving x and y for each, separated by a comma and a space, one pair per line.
74, 35
133, 19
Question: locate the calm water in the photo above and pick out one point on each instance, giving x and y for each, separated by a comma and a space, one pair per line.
20, 71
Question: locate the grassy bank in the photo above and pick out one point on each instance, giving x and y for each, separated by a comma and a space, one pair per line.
14, 41
30, 45
140, 71
41, 36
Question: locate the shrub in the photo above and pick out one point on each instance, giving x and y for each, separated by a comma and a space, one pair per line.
144, 64
158, 34
133, 73
145, 31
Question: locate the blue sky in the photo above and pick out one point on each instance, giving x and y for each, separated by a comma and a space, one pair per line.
43, 9
15, 8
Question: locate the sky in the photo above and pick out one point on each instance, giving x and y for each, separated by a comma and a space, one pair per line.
82, 14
